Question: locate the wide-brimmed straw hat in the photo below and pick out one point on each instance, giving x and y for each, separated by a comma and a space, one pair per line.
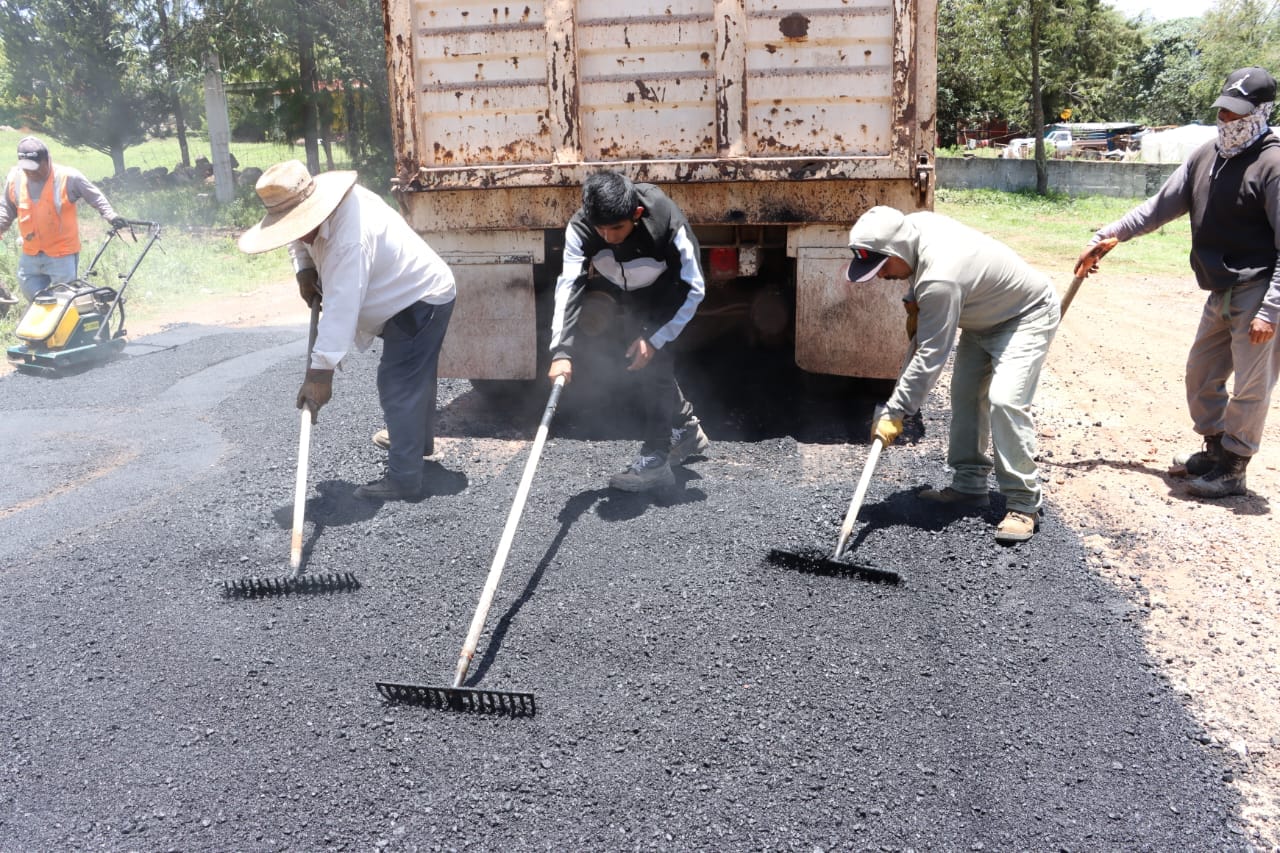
296, 203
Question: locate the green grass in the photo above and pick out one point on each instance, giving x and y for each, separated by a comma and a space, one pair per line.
1051, 231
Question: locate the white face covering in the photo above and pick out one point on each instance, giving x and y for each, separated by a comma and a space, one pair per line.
1236, 136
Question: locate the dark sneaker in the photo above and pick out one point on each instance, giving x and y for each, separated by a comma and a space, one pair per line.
1227, 478
1200, 462
387, 489
952, 497
382, 439
1016, 527
687, 441
647, 472
7, 301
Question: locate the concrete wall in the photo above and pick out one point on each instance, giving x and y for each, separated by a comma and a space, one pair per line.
1072, 177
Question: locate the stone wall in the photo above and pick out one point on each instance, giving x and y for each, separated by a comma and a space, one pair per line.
1072, 177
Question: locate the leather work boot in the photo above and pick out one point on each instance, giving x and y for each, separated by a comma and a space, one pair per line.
1226, 478
382, 439
952, 497
1199, 463
1016, 527
387, 489
687, 441
648, 471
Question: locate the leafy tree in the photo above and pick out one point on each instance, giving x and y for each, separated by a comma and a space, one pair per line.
80, 62
1236, 34
1153, 89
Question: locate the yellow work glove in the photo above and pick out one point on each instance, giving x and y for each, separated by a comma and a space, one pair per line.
887, 429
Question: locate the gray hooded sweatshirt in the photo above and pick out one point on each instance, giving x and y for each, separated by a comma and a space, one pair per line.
962, 280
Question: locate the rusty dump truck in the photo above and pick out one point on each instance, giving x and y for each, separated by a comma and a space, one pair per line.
772, 123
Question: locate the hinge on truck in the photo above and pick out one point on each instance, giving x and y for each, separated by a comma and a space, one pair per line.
923, 176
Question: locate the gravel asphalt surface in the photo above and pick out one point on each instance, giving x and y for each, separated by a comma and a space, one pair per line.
691, 696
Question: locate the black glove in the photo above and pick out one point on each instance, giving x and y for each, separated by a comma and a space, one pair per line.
119, 223
308, 284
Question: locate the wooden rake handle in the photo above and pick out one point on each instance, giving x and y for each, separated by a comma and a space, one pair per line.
508, 534
304, 453
1083, 267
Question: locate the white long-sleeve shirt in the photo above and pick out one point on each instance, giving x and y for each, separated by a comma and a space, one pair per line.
372, 266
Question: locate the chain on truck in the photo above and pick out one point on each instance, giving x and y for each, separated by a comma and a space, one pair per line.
773, 125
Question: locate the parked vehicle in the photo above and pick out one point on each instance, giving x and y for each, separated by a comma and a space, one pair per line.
772, 125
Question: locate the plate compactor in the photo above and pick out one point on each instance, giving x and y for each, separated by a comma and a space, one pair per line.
77, 323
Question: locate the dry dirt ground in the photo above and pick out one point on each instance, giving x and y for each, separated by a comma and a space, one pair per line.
1111, 412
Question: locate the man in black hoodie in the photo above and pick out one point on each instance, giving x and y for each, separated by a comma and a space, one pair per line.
1231, 189
636, 238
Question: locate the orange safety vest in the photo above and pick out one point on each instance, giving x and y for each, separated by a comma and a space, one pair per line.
47, 224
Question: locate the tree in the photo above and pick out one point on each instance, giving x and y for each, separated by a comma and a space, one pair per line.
1236, 34
80, 60
1031, 58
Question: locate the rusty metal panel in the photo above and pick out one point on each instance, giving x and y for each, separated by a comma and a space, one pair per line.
482, 91
820, 80
843, 328
491, 334
646, 78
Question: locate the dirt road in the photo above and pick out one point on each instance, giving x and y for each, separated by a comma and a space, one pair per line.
1205, 573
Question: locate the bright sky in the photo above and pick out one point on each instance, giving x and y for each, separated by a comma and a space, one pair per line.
1163, 10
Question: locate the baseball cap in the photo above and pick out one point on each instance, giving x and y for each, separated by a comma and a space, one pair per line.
1245, 89
30, 152
865, 264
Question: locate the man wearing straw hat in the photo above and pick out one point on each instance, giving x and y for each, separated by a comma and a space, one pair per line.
379, 279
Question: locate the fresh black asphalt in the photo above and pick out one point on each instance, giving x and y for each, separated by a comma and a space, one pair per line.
690, 695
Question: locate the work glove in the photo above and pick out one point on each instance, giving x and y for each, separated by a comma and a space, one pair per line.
887, 429
316, 390
308, 284
913, 317
119, 223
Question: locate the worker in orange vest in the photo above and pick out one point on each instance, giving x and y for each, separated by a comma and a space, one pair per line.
42, 198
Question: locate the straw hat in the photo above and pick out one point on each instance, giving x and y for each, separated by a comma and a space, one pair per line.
296, 203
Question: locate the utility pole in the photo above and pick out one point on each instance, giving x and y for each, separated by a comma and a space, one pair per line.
215, 105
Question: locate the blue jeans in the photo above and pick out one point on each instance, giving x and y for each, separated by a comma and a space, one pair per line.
36, 272
407, 373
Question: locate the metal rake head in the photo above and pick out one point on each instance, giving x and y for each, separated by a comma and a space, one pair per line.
510, 702
817, 563
301, 585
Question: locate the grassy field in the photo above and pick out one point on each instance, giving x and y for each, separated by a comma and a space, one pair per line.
197, 258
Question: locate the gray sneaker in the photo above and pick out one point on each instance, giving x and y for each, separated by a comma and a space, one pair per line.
1200, 462
382, 439
646, 472
687, 441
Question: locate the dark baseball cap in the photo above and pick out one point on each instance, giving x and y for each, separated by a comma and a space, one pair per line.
30, 152
1245, 89
865, 264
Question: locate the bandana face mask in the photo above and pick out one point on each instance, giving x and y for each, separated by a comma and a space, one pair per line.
1235, 136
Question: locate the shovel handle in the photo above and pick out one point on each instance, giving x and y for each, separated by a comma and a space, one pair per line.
508, 534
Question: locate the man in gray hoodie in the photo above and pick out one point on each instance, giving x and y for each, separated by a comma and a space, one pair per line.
971, 287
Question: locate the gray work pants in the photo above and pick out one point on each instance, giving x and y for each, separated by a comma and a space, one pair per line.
407, 373
1221, 348
994, 381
